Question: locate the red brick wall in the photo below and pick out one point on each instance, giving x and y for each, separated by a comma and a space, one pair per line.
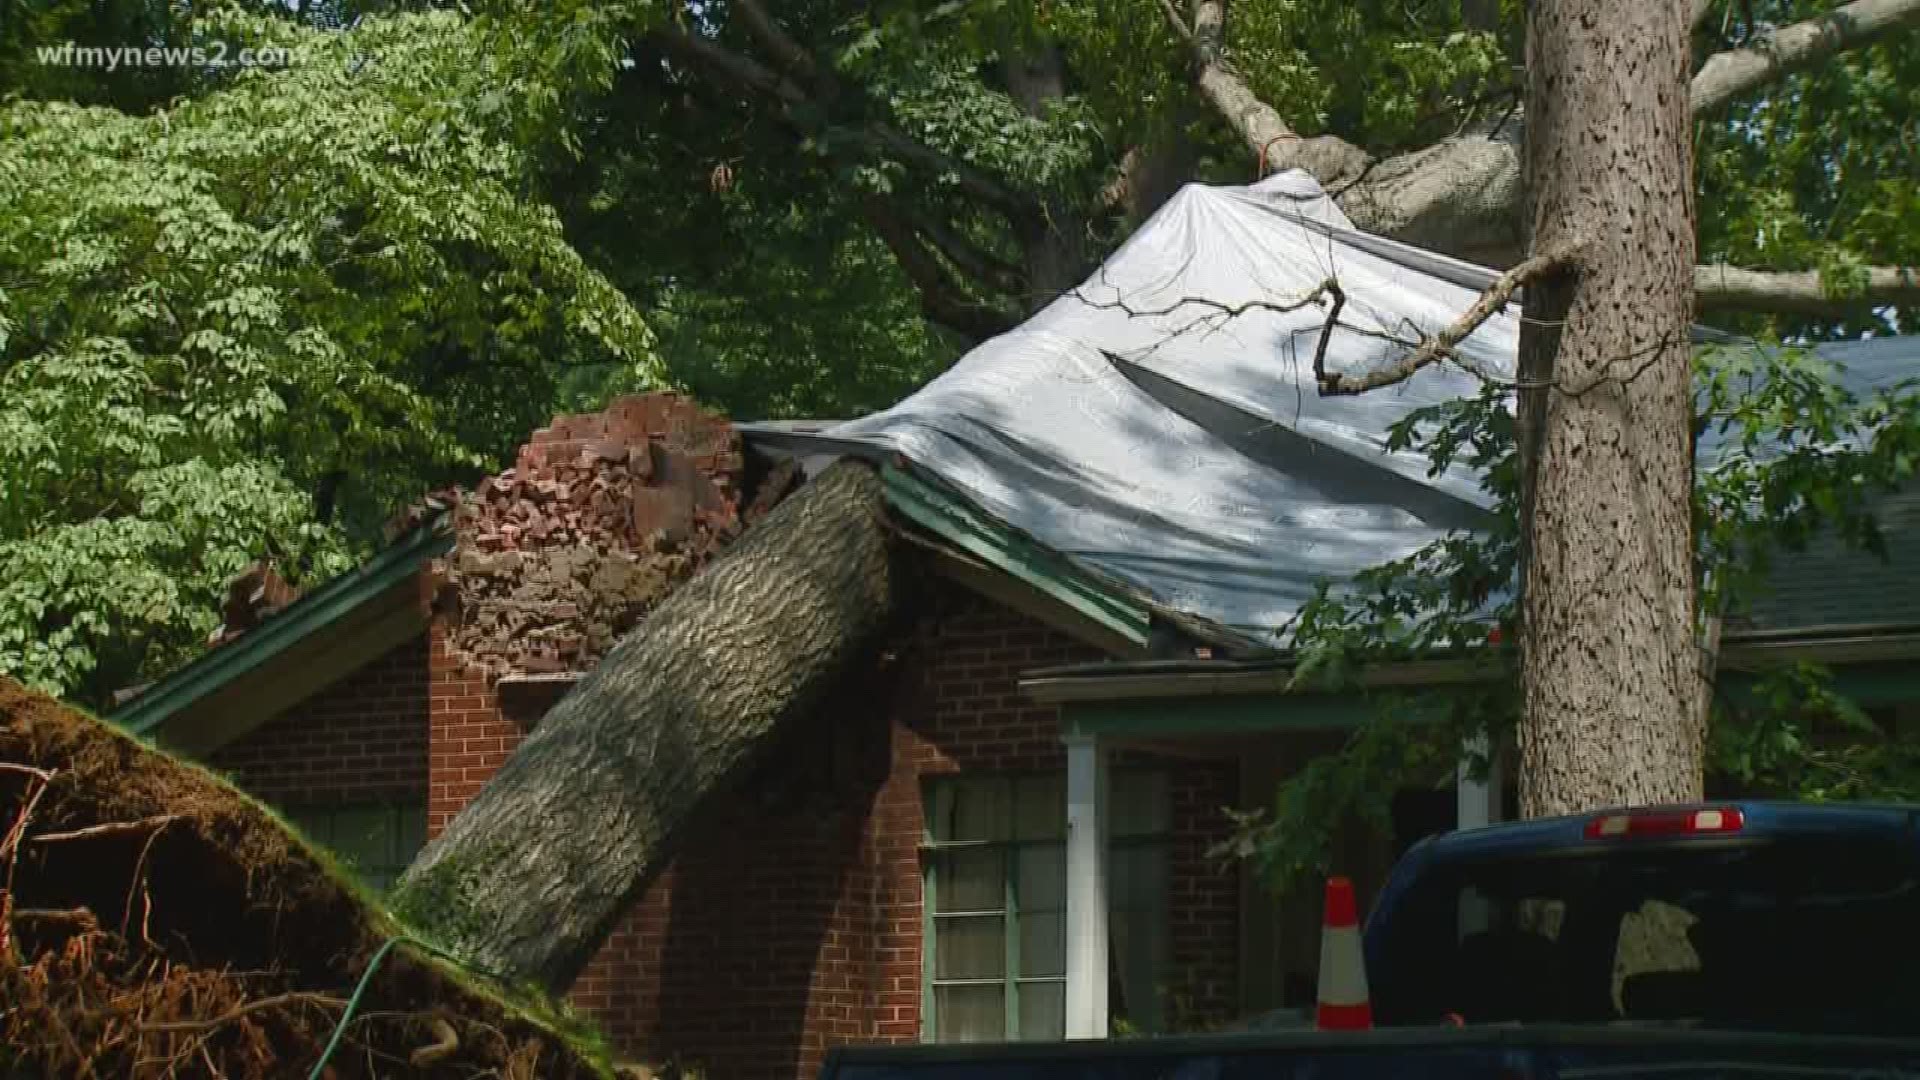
751, 957
363, 738
474, 727
1204, 907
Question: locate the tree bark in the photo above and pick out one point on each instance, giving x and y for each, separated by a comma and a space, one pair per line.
1456, 196
1609, 672
1727, 75
1154, 171
1055, 244
529, 878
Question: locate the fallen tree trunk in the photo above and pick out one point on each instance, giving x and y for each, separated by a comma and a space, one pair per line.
530, 877
154, 921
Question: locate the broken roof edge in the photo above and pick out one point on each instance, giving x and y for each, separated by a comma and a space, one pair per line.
198, 679
957, 520
950, 516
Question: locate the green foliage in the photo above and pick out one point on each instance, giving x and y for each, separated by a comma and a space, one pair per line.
1819, 172
766, 299
769, 295
27, 27
939, 88
321, 284
1793, 734
942, 102
1382, 74
1132, 69
1801, 456
1406, 741
314, 292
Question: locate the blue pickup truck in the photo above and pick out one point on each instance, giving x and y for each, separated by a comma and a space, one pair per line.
1737, 940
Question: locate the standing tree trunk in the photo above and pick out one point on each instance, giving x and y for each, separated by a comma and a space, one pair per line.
530, 877
1610, 679
1057, 249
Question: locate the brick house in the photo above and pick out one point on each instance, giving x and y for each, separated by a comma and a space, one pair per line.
904, 878
754, 966
1003, 832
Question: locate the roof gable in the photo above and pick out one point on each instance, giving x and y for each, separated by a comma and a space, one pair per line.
194, 708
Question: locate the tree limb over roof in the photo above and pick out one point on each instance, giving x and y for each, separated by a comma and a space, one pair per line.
1463, 195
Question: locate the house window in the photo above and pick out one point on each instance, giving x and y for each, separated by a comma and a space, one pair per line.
995, 948
374, 840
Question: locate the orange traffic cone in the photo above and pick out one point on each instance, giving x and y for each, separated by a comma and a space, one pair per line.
1344, 1005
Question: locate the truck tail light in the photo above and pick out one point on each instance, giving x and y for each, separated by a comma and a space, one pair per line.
1630, 824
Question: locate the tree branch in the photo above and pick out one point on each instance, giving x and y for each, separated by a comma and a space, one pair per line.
737, 69
1332, 161
1441, 345
973, 180
791, 56
969, 258
1800, 292
295, 997
1460, 196
1216, 313
1180, 26
110, 828
751, 75
1463, 195
1729, 74
941, 299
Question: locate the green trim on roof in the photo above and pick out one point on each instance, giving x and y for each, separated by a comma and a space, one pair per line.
312, 612
953, 520
1869, 685
1237, 714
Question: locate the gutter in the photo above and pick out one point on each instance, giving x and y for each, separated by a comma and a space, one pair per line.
1184, 679
1744, 651
1835, 645
1826, 631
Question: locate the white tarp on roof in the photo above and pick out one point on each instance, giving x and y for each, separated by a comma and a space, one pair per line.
1185, 450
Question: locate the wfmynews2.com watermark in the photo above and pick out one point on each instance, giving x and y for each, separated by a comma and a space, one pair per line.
213, 54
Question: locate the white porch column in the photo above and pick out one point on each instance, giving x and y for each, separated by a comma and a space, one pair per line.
1086, 888
1477, 802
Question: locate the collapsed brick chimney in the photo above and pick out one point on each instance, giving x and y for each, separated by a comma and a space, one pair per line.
600, 517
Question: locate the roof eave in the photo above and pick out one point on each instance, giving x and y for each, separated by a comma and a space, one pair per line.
1122, 681
145, 714
1127, 680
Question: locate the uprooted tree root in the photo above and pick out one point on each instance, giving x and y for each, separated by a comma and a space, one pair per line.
156, 922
